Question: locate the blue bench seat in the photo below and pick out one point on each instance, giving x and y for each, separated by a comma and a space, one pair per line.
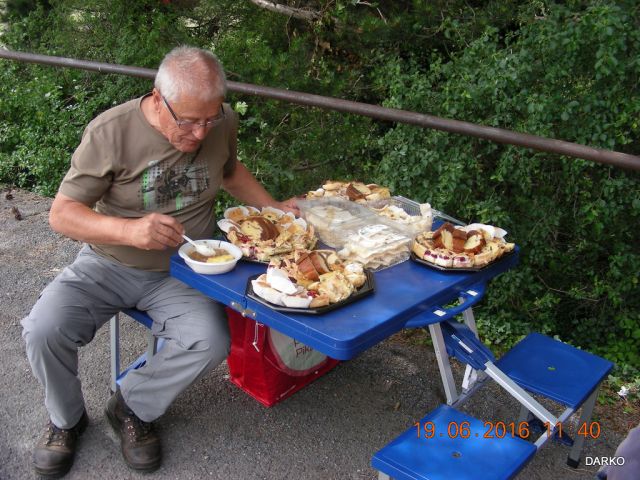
562, 373
453, 452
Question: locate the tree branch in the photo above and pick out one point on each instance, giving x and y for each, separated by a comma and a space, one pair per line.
301, 13
310, 166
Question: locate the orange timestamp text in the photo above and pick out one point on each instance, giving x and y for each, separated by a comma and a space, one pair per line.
428, 430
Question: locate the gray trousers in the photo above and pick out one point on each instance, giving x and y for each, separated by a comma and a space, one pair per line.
84, 297
628, 453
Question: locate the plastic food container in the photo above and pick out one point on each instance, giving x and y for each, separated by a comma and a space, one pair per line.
335, 219
403, 214
376, 246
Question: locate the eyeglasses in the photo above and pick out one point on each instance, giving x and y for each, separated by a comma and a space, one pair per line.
189, 125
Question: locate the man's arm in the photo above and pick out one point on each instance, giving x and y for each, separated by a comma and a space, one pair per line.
242, 185
76, 220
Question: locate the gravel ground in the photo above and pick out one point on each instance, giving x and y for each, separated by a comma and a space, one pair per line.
328, 430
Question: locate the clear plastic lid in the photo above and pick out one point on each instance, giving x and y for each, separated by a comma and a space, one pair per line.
334, 219
376, 246
404, 214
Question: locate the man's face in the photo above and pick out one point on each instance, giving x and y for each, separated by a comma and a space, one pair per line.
197, 119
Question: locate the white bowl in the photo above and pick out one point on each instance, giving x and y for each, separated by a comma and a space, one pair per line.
211, 268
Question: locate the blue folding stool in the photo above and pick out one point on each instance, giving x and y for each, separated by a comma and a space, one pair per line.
543, 366
458, 449
561, 373
153, 345
537, 364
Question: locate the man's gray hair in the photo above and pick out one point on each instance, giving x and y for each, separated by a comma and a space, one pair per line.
191, 71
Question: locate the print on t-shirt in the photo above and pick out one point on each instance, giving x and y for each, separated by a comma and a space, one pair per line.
171, 185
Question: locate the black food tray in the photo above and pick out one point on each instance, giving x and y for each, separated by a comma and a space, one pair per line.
367, 288
415, 258
253, 260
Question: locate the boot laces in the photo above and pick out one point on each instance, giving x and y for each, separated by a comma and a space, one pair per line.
58, 436
137, 429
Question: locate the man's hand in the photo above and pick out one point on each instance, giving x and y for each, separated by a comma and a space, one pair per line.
289, 205
153, 232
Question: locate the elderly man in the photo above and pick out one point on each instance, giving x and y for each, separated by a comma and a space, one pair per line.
145, 172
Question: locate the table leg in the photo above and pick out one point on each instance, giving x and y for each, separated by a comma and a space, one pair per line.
470, 320
585, 418
444, 365
114, 336
471, 375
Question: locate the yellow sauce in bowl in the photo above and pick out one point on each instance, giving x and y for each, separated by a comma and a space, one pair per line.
220, 256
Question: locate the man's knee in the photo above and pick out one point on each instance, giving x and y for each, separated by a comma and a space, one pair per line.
215, 344
42, 331
211, 342
54, 326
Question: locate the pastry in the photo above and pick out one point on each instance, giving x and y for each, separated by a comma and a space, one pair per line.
263, 234
461, 247
353, 190
375, 246
309, 279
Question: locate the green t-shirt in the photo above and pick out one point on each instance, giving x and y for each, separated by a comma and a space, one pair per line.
125, 168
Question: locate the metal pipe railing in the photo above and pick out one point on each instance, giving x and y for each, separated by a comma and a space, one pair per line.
499, 135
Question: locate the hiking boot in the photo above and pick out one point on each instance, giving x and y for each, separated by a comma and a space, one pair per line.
56, 449
139, 443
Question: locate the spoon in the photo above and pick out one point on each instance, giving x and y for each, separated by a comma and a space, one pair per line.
200, 248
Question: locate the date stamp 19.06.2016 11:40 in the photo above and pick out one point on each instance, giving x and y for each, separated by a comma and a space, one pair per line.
463, 430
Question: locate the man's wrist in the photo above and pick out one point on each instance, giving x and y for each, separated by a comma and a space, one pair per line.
125, 231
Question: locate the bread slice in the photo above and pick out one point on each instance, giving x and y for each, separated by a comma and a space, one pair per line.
319, 262
259, 228
306, 268
332, 185
483, 258
431, 255
353, 193
459, 233
419, 249
447, 239
444, 227
458, 244
361, 187
444, 259
475, 242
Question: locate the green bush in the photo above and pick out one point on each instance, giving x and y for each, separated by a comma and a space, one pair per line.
44, 109
273, 134
572, 76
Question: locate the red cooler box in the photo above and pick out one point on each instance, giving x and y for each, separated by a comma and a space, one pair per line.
268, 365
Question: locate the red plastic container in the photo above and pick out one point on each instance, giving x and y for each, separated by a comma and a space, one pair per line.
268, 365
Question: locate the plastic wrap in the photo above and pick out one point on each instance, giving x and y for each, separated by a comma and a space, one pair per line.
335, 219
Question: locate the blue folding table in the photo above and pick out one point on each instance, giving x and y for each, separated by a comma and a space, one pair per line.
411, 295
406, 295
